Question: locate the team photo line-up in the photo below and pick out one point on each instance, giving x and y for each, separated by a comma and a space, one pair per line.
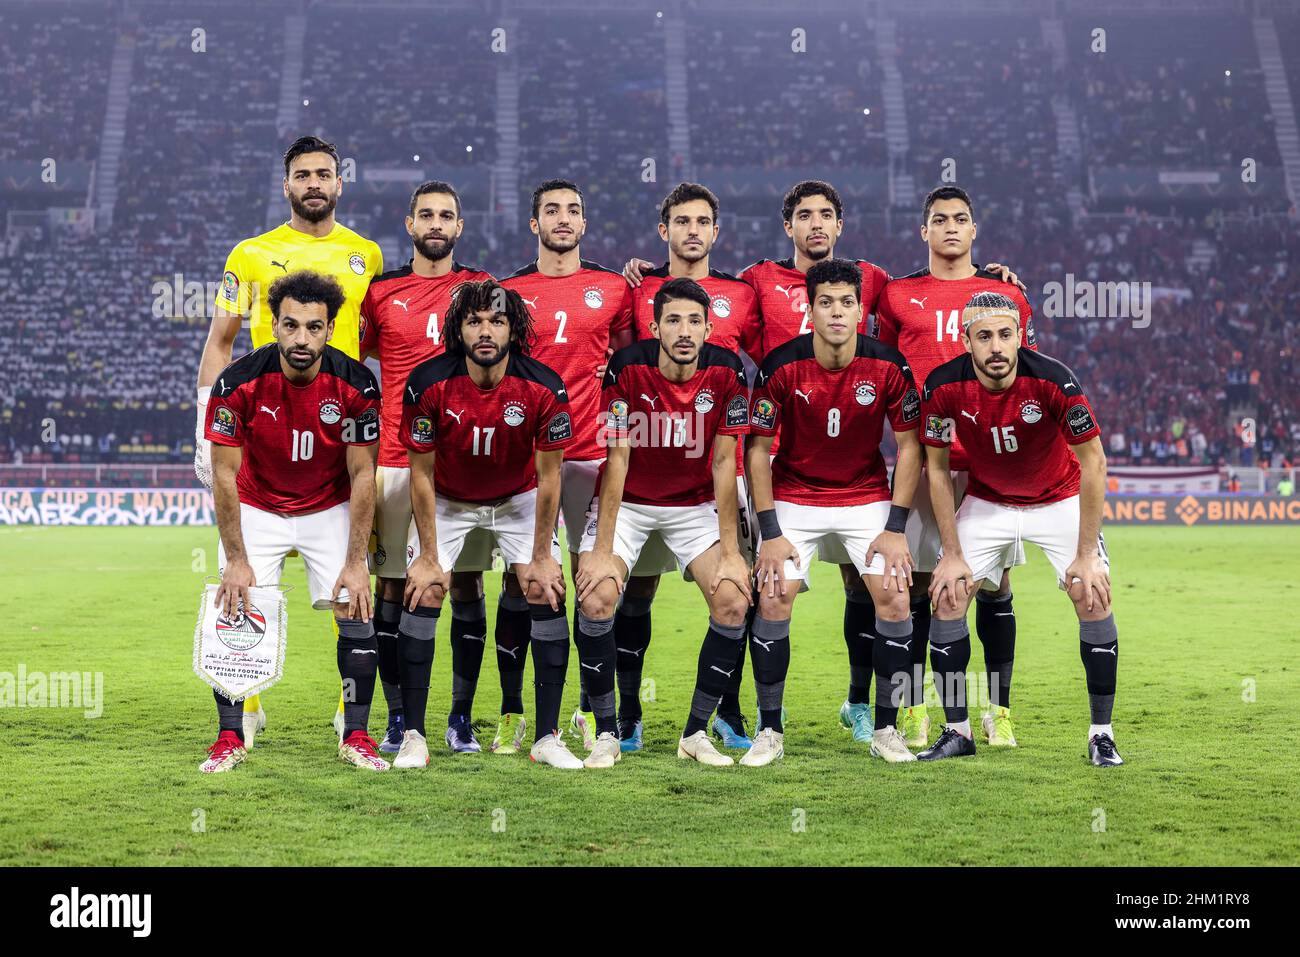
621, 403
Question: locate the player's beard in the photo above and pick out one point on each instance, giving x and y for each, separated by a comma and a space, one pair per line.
560, 245
483, 361
673, 357
296, 363
303, 211
687, 255
435, 250
817, 255
1002, 371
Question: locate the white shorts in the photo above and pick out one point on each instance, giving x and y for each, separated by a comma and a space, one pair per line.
990, 535
321, 538
396, 539
577, 489
510, 525
687, 530
923, 531
657, 559
849, 528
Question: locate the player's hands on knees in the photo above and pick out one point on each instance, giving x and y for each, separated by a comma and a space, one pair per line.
770, 569
425, 574
355, 577
593, 568
1089, 582
732, 568
545, 575
1005, 273
634, 269
236, 580
892, 547
951, 584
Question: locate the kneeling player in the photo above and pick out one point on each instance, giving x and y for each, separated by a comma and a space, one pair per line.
828, 393
675, 405
1037, 474
498, 421
293, 427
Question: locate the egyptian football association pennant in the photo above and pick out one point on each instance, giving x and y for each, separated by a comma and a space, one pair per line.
242, 655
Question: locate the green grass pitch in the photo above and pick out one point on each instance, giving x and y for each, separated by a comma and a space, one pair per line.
1208, 671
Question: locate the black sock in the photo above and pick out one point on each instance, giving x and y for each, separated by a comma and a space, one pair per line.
230, 714
729, 703
892, 663
860, 638
995, 623
513, 629
949, 656
584, 702
769, 646
1099, 649
468, 636
597, 656
920, 641
550, 641
415, 633
631, 639
387, 616
358, 658
716, 662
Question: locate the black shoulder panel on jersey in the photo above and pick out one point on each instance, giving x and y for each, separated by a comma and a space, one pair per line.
659, 272
399, 273
786, 263
438, 369
261, 361
715, 355
754, 265
800, 347
597, 267
919, 274
870, 348
643, 352
957, 369
719, 274
524, 270
1039, 366
534, 370
339, 364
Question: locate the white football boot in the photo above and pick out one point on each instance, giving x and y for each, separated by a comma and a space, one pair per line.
254, 721
606, 753
699, 747
768, 746
552, 750
887, 743
414, 752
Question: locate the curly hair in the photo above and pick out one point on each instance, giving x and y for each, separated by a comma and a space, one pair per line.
306, 286
472, 297
831, 271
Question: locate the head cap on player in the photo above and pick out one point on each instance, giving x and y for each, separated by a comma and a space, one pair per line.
835, 299
485, 322
948, 222
991, 333
688, 221
681, 322
311, 178
434, 222
304, 305
813, 217
559, 215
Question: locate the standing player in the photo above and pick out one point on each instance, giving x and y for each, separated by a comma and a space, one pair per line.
311, 239
580, 310
401, 319
688, 223
675, 405
293, 426
829, 393
920, 316
497, 422
1037, 474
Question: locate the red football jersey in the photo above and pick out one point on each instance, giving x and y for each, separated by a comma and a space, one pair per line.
831, 421
671, 425
783, 303
920, 316
485, 439
1018, 440
294, 437
733, 308
574, 317
401, 322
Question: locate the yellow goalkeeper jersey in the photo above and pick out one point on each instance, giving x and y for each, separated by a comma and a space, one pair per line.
256, 263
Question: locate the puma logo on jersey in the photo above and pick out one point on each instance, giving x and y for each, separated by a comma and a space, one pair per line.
971, 417
650, 400
284, 265
455, 415
367, 390
1107, 651
530, 303
804, 395
398, 302
270, 412
920, 302
414, 397
906, 646
721, 672
783, 290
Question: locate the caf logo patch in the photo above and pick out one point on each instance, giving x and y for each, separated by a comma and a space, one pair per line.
244, 630
514, 413
422, 429
911, 405
1079, 419
357, 263
934, 428
330, 412
703, 401
864, 393
561, 428
593, 298
721, 306
230, 286
1031, 412
223, 422
764, 413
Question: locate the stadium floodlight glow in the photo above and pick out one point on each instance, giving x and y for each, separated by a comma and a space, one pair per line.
469, 149
866, 111
415, 158
306, 102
